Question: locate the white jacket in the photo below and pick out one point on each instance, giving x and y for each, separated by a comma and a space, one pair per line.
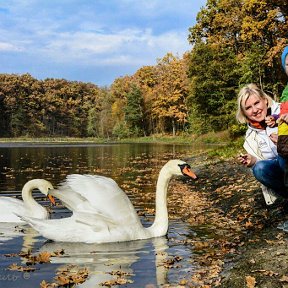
257, 141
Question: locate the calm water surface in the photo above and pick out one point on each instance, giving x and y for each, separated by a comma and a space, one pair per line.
135, 168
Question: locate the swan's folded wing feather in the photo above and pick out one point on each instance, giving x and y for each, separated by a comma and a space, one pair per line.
96, 222
10, 206
72, 200
105, 196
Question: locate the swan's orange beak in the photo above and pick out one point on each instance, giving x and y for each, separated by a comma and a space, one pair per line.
187, 171
52, 199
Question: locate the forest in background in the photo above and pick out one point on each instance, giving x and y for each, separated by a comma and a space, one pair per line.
234, 42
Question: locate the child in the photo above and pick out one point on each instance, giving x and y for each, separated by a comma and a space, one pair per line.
282, 144
282, 119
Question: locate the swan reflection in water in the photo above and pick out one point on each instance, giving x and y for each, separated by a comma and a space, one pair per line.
102, 259
10, 231
143, 260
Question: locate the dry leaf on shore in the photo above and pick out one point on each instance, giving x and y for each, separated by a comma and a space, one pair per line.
250, 281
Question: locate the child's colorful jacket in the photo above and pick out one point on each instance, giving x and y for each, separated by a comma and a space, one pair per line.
282, 144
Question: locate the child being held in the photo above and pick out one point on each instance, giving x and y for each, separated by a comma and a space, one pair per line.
282, 119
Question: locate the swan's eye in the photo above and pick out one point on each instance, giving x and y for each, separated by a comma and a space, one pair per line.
182, 166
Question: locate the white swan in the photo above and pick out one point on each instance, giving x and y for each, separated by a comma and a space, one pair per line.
11, 207
103, 213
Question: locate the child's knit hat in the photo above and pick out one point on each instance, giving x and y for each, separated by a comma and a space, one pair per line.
283, 56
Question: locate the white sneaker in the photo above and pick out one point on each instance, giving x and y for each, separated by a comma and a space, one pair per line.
269, 195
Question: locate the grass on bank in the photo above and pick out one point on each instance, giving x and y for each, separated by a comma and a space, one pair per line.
212, 137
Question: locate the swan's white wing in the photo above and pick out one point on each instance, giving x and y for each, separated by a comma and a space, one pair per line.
105, 197
83, 211
10, 206
71, 199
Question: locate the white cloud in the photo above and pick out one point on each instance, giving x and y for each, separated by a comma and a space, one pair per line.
124, 47
117, 34
4, 46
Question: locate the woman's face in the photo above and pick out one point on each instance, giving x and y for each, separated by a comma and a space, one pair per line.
255, 108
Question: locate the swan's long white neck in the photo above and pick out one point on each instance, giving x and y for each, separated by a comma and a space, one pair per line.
160, 225
28, 199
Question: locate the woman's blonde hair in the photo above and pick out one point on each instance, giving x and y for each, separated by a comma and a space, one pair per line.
244, 94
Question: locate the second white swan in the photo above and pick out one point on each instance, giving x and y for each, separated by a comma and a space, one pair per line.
11, 207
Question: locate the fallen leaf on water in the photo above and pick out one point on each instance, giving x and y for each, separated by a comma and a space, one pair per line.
11, 254
67, 277
19, 268
120, 273
118, 281
63, 280
168, 263
45, 284
43, 257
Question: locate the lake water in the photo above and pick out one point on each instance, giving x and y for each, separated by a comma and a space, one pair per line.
135, 168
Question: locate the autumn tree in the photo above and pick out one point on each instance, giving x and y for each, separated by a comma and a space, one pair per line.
214, 78
100, 119
134, 111
146, 79
22, 105
243, 39
169, 107
119, 90
50, 107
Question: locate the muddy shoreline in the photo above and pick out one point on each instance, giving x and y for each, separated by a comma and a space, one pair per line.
245, 248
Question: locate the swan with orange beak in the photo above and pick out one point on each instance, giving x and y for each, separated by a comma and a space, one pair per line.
102, 211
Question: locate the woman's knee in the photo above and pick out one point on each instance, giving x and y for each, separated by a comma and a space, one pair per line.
264, 170
259, 169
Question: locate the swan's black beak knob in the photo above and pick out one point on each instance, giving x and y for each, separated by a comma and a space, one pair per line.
187, 171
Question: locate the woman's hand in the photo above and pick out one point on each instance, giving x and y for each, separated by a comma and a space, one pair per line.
274, 138
247, 159
270, 121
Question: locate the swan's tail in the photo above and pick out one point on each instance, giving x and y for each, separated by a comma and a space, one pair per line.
50, 228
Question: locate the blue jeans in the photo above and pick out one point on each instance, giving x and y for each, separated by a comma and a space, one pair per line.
271, 174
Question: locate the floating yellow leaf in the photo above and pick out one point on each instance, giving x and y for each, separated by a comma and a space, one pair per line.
19, 268
44, 257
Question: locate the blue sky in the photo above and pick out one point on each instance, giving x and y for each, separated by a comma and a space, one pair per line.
91, 40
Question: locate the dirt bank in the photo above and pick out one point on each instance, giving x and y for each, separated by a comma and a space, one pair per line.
237, 243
